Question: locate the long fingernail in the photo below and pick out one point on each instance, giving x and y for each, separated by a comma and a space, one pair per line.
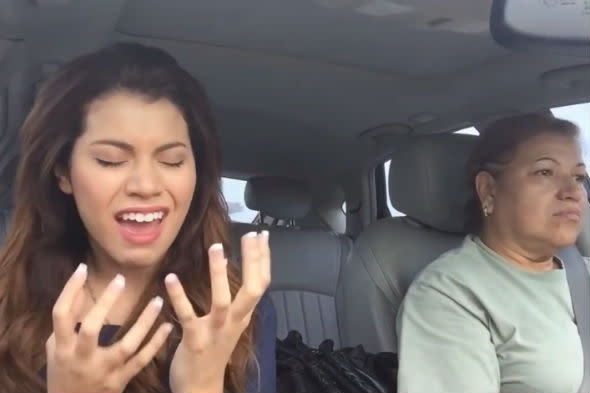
120, 281
81, 269
264, 233
171, 278
158, 302
216, 247
251, 234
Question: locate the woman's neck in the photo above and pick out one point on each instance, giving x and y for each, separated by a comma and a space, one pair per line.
102, 270
519, 254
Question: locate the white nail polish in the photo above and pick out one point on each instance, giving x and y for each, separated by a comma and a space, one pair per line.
170, 278
216, 247
81, 269
158, 302
251, 234
120, 281
264, 233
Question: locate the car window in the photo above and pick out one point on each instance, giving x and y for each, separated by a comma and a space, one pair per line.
468, 131
233, 191
580, 115
392, 210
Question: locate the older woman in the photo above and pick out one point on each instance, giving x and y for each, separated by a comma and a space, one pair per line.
495, 315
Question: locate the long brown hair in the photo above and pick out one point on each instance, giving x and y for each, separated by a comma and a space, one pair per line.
496, 146
47, 239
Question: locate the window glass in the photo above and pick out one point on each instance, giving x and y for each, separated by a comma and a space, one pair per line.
580, 115
233, 191
468, 131
392, 210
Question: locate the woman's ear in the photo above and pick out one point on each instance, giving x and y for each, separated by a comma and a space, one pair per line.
63, 181
485, 185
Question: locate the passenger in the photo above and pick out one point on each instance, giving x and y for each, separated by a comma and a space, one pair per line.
495, 315
119, 233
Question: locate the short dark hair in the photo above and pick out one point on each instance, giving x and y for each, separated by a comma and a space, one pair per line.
496, 146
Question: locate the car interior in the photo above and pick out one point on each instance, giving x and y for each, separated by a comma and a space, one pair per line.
328, 111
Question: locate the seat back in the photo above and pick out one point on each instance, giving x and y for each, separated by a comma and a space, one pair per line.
427, 183
306, 263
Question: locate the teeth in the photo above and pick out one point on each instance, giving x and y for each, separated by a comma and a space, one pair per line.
141, 217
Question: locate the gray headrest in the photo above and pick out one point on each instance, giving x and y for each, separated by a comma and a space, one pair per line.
427, 180
278, 197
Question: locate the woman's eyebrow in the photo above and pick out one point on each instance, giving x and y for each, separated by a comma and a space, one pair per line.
127, 147
111, 142
580, 164
169, 146
547, 159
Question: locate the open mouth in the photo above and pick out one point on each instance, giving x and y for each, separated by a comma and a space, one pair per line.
139, 218
141, 227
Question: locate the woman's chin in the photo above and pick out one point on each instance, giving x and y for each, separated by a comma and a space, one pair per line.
565, 238
138, 259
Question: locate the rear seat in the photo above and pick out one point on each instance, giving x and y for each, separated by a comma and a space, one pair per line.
306, 263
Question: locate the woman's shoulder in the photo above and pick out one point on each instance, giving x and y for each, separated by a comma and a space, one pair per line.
456, 279
266, 310
265, 343
456, 265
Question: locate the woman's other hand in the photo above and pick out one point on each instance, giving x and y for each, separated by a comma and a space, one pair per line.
75, 361
208, 342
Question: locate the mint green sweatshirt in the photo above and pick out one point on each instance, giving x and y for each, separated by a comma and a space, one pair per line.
474, 323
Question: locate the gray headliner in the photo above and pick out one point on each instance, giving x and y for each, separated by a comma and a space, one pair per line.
294, 83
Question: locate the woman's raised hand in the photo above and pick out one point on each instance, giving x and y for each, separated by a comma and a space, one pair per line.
75, 361
208, 342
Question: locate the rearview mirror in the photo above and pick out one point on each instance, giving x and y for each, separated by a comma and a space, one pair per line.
556, 25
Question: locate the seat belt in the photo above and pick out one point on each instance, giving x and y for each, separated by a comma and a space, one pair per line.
578, 279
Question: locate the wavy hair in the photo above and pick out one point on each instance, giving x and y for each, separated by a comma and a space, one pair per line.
47, 238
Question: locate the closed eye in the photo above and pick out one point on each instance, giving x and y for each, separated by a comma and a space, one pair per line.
173, 164
109, 163
580, 178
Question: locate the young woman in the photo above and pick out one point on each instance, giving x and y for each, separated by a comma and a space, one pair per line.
114, 274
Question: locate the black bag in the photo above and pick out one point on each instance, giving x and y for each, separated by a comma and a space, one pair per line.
301, 369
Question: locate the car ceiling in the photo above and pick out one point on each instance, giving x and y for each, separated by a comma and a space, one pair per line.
302, 87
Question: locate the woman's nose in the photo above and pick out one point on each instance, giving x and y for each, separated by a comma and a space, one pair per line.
143, 181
